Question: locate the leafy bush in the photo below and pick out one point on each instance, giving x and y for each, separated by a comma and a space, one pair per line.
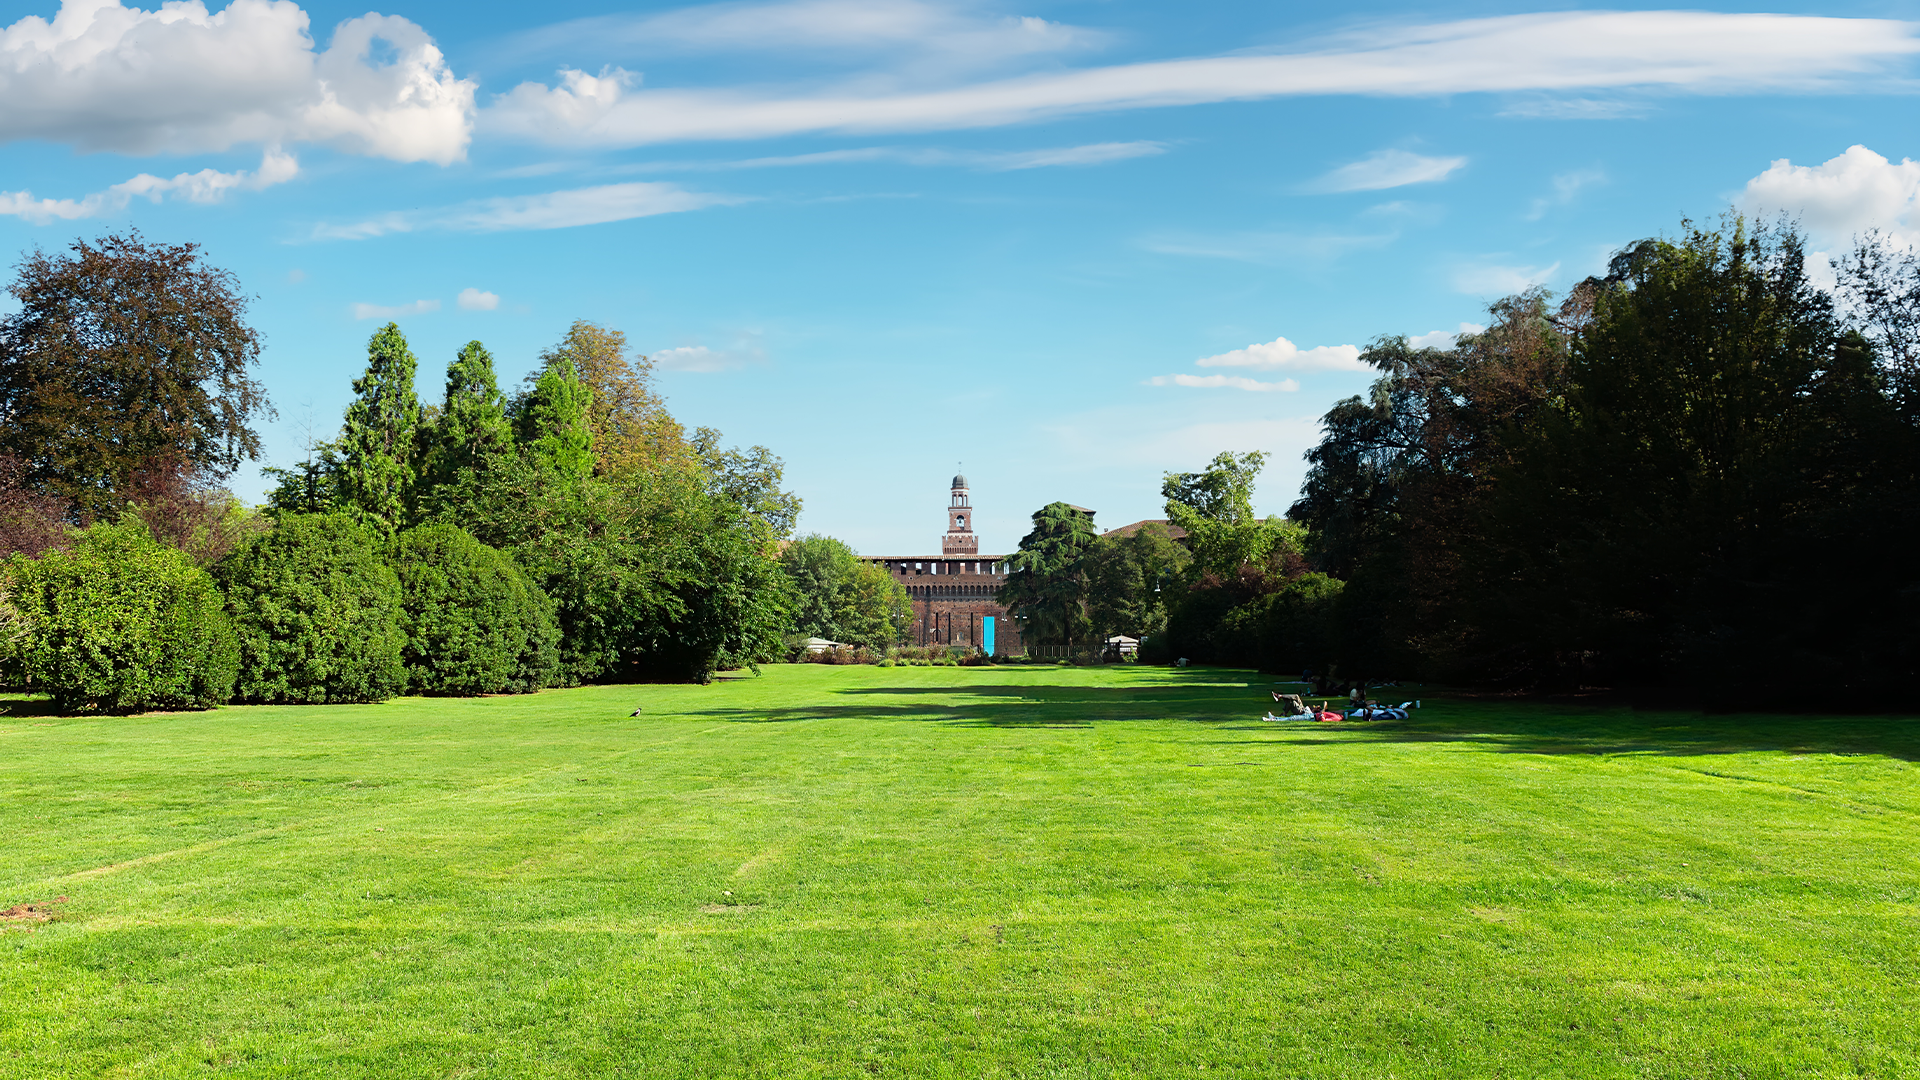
475, 623
318, 613
119, 623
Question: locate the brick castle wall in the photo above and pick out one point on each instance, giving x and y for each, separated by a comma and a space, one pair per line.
950, 598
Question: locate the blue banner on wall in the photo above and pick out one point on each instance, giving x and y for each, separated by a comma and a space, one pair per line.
986, 633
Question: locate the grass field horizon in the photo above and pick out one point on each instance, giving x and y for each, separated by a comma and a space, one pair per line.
1019, 871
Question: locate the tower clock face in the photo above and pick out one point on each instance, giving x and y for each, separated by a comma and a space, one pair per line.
960, 520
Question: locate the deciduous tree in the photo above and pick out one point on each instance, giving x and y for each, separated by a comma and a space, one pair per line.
125, 352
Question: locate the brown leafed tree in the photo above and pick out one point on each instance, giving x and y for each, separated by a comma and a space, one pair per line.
125, 352
30, 522
631, 425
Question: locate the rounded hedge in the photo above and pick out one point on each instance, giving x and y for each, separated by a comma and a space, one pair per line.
119, 623
475, 622
317, 611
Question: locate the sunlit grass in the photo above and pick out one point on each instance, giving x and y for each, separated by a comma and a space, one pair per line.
958, 872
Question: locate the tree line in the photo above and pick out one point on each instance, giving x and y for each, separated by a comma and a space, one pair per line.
567, 530
1697, 471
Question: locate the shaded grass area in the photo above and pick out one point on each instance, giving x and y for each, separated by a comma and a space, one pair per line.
1016, 872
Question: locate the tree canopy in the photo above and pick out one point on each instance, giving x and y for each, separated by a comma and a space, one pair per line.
125, 352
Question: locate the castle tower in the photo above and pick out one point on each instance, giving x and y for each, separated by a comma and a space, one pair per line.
960, 539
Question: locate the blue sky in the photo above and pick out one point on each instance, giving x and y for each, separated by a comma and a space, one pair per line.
1072, 244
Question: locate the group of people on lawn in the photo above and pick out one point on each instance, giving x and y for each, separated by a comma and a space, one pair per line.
1360, 707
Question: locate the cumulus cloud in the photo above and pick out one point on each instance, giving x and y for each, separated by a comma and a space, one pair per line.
475, 300
549, 210
1281, 353
1487, 279
1384, 169
1276, 355
1237, 382
102, 76
1444, 339
205, 186
376, 311
1561, 53
1845, 196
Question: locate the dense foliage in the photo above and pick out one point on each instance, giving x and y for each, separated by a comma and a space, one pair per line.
124, 353
117, 622
474, 622
840, 598
318, 612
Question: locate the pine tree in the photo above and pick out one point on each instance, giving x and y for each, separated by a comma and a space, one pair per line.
379, 464
555, 423
471, 430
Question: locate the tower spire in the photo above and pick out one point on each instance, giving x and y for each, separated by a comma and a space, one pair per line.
960, 539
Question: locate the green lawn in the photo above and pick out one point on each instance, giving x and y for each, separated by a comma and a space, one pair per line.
958, 872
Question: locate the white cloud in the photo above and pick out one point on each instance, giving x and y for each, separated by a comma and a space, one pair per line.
1566, 186
1576, 108
475, 300
1485, 279
205, 186
1847, 195
912, 33
376, 311
1276, 355
1558, 53
1444, 339
101, 76
1237, 382
1281, 353
550, 210
1384, 169
989, 160
701, 358
1266, 248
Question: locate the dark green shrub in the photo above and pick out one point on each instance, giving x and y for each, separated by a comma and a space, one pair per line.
317, 610
475, 623
119, 623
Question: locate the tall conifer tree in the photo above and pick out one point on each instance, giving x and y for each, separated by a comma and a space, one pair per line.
379, 463
471, 430
555, 423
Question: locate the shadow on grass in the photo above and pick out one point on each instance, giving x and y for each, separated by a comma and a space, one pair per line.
1230, 710
1520, 728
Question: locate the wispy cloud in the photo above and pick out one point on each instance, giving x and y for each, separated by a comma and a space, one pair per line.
985, 160
205, 186
1266, 248
549, 210
1566, 186
378, 311
1236, 382
1560, 53
912, 33
745, 350
1384, 169
1491, 279
1576, 108
476, 300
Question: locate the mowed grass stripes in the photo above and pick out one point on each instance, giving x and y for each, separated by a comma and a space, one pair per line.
957, 872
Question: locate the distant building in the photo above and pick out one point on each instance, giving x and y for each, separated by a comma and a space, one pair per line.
953, 591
